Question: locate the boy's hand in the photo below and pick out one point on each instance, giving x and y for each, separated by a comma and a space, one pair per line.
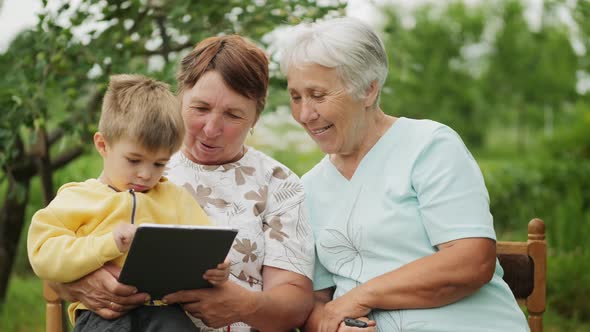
218, 275
123, 235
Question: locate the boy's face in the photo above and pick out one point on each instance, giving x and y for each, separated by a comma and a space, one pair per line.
127, 165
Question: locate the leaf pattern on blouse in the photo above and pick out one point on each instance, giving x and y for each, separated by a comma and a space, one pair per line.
209, 168
241, 171
230, 166
236, 209
287, 190
279, 173
246, 248
275, 227
347, 246
259, 197
202, 193
393, 321
249, 279
291, 254
302, 230
224, 167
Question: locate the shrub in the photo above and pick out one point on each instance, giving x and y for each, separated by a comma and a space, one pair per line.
24, 309
568, 285
555, 191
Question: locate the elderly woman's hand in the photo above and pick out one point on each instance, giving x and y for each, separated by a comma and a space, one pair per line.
336, 310
219, 306
101, 292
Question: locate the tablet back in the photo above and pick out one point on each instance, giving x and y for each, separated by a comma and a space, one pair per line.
167, 258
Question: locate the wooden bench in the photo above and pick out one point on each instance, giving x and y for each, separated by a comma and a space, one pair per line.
54, 320
524, 265
525, 271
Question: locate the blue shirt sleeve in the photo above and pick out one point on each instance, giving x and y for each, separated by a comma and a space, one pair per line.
453, 199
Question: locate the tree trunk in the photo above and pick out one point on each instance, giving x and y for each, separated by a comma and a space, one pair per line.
45, 172
12, 218
12, 214
44, 169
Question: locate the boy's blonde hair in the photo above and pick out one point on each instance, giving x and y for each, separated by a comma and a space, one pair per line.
143, 110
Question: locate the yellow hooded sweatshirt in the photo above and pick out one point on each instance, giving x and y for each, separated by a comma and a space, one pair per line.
72, 236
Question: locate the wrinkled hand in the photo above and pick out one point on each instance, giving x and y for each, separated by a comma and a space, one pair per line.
123, 234
336, 310
101, 292
371, 328
219, 306
218, 275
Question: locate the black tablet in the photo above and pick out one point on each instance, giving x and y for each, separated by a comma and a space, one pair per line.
164, 259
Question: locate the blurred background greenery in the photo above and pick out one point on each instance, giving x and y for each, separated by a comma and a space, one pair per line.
514, 84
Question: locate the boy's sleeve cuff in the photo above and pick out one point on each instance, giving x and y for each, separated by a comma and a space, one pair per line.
107, 249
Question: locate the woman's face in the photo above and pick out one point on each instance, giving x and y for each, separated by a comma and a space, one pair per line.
322, 105
217, 120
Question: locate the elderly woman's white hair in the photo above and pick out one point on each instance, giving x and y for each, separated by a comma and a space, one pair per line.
346, 44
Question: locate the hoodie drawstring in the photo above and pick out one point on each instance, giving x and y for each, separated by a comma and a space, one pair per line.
132, 192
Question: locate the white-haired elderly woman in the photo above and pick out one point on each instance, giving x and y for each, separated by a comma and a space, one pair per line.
399, 207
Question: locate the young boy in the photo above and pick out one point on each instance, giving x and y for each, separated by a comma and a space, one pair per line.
91, 223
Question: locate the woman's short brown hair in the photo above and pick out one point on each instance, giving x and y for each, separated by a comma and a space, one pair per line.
242, 65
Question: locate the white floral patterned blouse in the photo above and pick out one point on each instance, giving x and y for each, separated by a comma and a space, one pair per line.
261, 198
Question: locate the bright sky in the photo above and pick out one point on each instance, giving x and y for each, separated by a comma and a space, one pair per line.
15, 16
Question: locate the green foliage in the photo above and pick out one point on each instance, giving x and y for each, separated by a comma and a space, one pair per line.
530, 60
42, 75
56, 73
568, 285
555, 191
299, 163
426, 77
571, 140
475, 66
580, 16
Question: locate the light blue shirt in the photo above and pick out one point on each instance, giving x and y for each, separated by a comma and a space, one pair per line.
418, 187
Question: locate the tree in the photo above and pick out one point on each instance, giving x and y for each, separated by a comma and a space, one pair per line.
429, 76
56, 73
481, 65
531, 73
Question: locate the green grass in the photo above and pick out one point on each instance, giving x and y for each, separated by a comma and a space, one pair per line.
556, 323
24, 309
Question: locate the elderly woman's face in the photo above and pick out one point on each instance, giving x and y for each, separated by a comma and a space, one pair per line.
322, 105
217, 121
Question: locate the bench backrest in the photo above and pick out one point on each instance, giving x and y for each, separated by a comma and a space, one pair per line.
525, 271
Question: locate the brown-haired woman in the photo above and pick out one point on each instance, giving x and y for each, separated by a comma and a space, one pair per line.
223, 85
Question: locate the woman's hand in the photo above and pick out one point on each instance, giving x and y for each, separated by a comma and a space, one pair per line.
284, 303
101, 292
371, 328
336, 310
219, 306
